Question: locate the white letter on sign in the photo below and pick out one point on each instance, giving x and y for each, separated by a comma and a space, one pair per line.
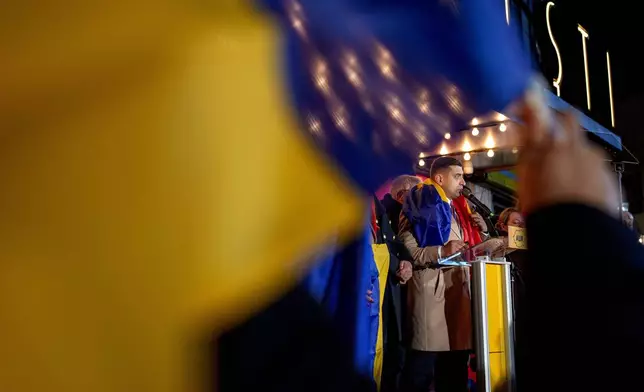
584, 37
557, 81
610, 91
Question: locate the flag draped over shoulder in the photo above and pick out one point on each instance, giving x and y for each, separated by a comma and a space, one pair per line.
428, 210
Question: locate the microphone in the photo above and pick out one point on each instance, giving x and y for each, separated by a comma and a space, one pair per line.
482, 208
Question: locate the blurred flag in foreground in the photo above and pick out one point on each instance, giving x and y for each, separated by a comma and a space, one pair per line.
153, 168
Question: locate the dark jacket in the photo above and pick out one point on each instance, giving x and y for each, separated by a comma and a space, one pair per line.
393, 304
291, 346
581, 327
393, 208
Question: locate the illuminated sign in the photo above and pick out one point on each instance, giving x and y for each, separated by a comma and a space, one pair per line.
610, 91
557, 81
585, 38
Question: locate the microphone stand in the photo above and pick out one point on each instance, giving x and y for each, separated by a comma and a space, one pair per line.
491, 228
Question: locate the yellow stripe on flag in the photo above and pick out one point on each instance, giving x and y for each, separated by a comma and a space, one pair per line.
382, 259
154, 187
439, 189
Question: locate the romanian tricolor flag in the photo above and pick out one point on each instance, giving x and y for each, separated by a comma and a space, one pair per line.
155, 154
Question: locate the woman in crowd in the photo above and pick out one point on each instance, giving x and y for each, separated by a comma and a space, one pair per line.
509, 217
512, 217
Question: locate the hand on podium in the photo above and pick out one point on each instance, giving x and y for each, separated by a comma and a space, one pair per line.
452, 247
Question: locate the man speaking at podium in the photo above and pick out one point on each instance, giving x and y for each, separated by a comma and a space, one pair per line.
436, 222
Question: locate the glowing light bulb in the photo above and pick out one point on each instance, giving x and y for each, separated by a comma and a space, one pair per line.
421, 155
467, 156
421, 162
443, 150
490, 153
448, 136
503, 127
468, 168
515, 150
489, 141
500, 117
466, 146
475, 132
475, 121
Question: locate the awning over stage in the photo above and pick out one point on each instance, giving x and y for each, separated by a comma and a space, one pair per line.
588, 123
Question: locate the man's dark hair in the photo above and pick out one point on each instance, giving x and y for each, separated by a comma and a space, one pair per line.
441, 163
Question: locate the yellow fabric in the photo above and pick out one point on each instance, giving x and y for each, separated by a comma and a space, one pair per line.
130, 226
439, 189
381, 256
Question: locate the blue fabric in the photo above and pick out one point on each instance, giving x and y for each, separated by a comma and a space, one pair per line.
340, 282
451, 60
430, 215
374, 309
323, 281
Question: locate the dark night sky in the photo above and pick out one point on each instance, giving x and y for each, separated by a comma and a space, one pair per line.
618, 24
612, 26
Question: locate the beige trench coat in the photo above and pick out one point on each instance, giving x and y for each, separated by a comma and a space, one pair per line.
439, 300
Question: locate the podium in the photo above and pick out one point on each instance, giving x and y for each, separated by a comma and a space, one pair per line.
492, 314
